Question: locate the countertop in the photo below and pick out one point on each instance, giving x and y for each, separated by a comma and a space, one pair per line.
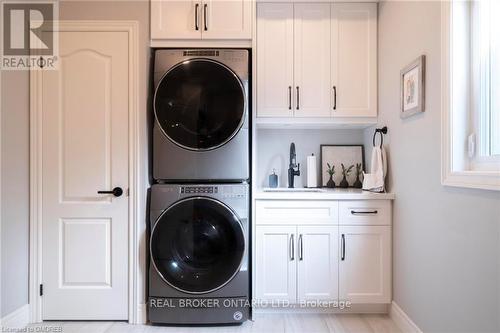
320, 194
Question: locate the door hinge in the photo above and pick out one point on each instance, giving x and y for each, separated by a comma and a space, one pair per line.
41, 290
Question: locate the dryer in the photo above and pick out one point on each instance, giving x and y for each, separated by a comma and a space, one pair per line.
201, 103
198, 244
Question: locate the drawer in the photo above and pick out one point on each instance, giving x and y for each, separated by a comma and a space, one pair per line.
365, 212
296, 212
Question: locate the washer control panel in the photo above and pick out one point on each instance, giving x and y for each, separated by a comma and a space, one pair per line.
199, 190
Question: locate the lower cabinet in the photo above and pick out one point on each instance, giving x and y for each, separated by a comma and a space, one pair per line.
365, 264
298, 261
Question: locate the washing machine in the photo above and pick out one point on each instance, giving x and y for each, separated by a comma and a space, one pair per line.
200, 103
198, 272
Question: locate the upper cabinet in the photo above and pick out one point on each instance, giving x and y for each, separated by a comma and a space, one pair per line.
329, 73
354, 59
196, 20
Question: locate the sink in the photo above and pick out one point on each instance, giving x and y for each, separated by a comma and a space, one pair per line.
283, 189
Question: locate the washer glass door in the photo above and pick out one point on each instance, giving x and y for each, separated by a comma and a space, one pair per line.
200, 104
197, 245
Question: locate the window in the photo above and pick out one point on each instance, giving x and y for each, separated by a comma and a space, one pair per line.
471, 93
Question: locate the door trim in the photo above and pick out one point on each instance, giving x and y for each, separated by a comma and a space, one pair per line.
35, 223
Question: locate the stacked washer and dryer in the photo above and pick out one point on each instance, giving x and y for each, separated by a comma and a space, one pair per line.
199, 205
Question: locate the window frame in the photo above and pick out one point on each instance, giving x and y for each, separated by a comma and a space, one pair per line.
456, 121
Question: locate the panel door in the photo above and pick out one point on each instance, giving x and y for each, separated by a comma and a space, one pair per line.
84, 112
365, 264
223, 19
276, 264
274, 59
317, 262
312, 60
354, 59
176, 19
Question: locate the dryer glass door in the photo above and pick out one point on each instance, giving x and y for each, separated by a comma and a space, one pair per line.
197, 245
200, 104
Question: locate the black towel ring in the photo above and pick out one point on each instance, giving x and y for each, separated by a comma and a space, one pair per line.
382, 131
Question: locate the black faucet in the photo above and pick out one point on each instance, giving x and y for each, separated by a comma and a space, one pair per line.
293, 164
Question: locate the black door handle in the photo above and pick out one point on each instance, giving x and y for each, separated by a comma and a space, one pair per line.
117, 192
343, 248
334, 97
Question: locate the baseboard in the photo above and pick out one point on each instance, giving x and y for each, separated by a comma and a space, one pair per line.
403, 320
19, 318
142, 315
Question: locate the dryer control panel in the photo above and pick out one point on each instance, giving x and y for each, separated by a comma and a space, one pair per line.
199, 189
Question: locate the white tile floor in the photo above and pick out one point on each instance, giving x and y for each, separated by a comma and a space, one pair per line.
263, 323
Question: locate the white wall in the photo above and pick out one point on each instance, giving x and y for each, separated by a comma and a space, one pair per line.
14, 207
273, 147
446, 240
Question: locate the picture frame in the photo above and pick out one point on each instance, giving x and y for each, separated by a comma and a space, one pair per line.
337, 154
412, 80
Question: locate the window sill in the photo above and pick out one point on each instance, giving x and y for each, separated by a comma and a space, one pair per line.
472, 179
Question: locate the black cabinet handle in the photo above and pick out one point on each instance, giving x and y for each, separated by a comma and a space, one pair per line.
334, 97
289, 97
371, 212
196, 7
298, 98
343, 248
292, 248
301, 253
117, 192
205, 16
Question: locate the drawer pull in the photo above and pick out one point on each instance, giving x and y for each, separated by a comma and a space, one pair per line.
292, 248
371, 212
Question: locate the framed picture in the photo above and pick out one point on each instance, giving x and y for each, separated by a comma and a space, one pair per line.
413, 88
335, 155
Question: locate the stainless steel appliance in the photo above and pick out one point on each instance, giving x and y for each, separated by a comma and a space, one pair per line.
201, 115
199, 254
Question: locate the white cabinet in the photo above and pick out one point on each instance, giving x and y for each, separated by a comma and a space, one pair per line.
323, 250
312, 59
316, 60
354, 59
295, 263
276, 265
201, 19
317, 248
275, 59
365, 264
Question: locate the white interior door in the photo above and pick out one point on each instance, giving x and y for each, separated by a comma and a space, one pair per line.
365, 264
227, 19
274, 59
354, 59
276, 263
312, 59
85, 149
318, 262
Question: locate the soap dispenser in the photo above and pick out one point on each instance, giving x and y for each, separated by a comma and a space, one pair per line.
273, 179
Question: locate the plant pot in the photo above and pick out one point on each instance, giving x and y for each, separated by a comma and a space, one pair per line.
344, 183
357, 183
330, 183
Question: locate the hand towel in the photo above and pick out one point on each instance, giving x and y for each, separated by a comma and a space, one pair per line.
375, 180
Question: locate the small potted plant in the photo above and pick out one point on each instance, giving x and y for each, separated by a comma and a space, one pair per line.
357, 183
345, 174
331, 171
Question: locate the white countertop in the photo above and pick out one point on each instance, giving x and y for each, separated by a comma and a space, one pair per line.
320, 194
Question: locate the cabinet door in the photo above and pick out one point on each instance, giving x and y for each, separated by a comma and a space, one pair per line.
317, 253
274, 59
222, 19
175, 19
312, 60
365, 264
354, 59
275, 265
